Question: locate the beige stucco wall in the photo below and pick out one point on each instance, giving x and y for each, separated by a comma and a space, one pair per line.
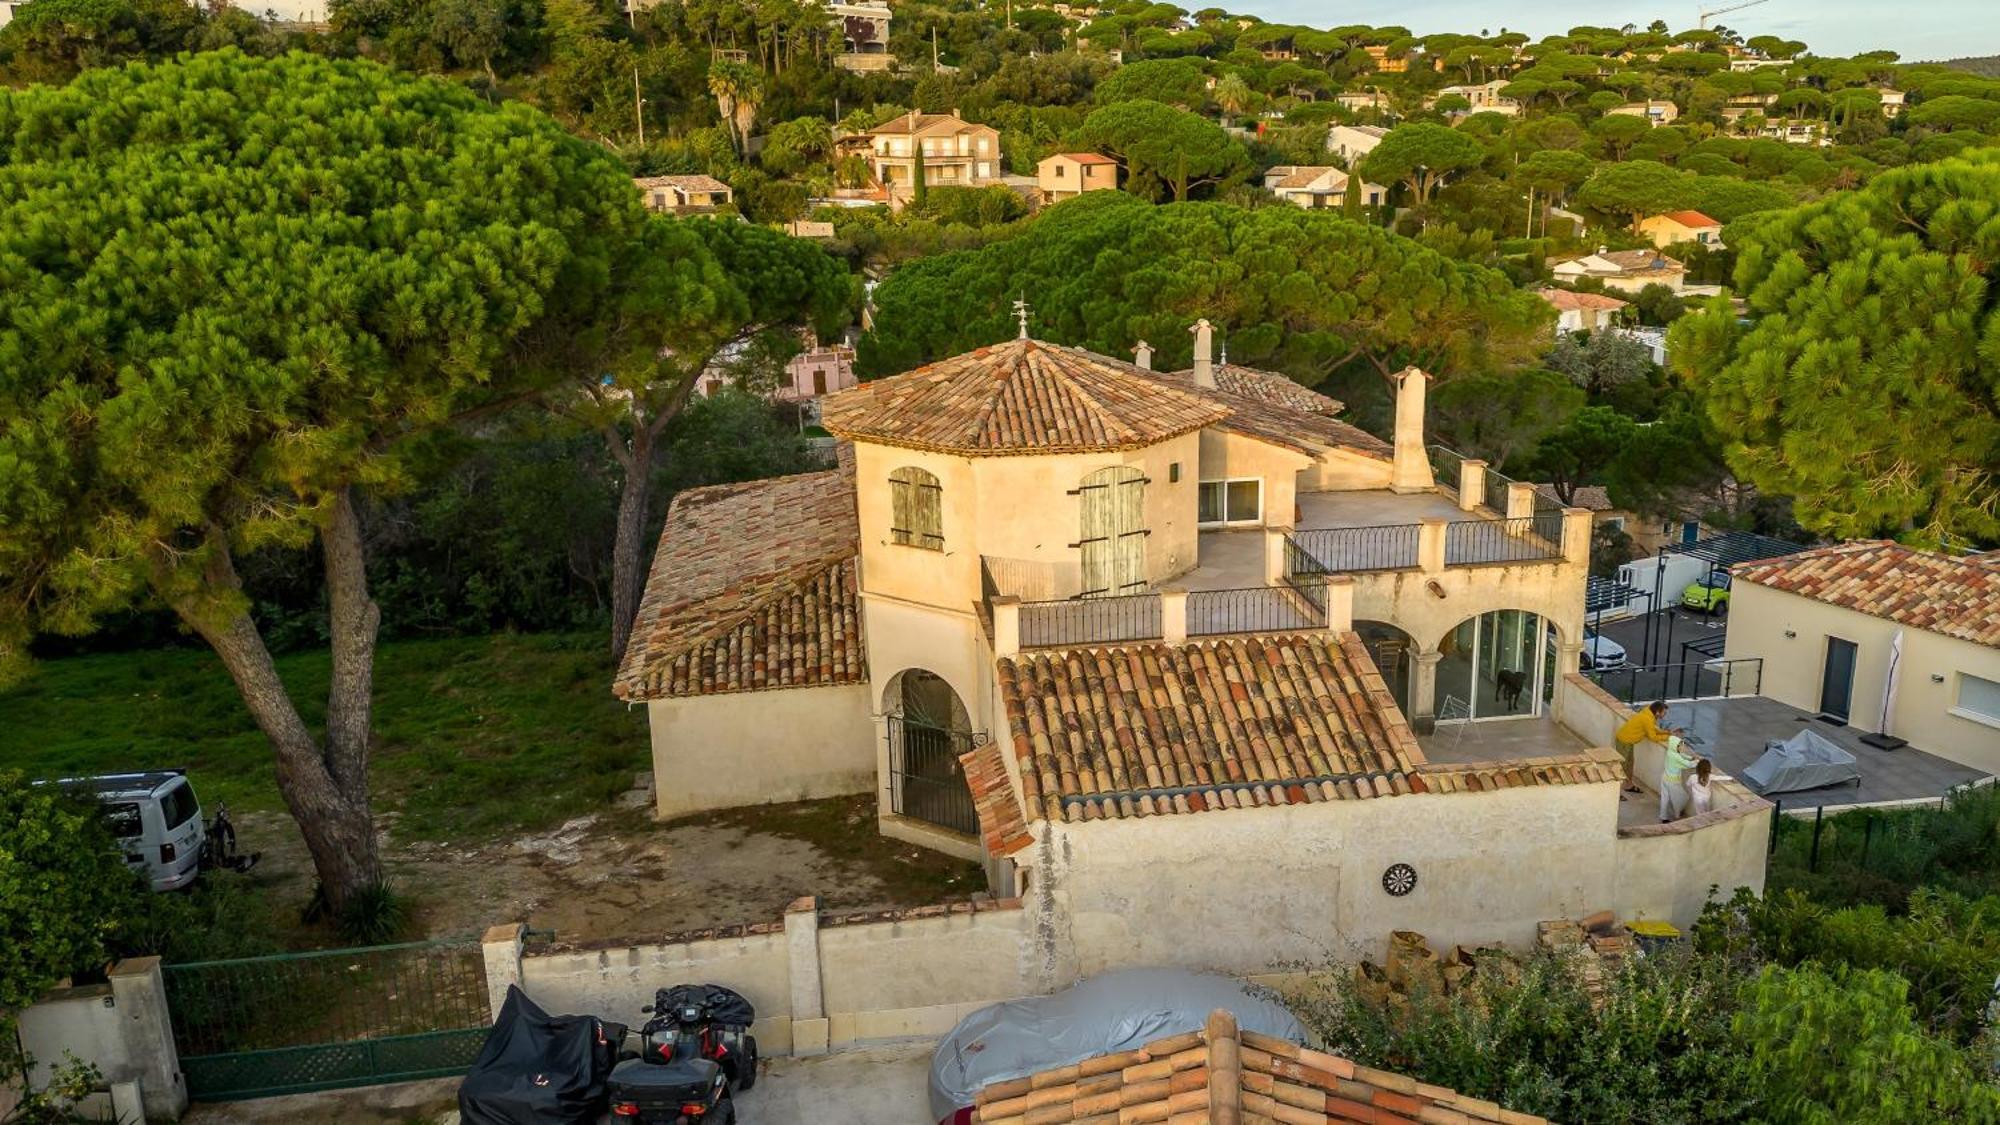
613, 982
943, 969
1344, 470
1249, 889
1793, 668
1552, 589
1667, 874
1228, 456
757, 748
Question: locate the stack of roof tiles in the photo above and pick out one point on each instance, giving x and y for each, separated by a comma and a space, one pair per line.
1001, 826
753, 586
1959, 597
1220, 1075
1020, 397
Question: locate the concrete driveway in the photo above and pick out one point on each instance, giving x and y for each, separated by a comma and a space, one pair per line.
872, 1086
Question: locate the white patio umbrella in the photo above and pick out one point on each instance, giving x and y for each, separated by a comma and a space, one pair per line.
1885, 739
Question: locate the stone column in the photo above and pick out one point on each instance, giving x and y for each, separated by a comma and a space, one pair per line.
1576, 536
1006, 626
1520, 500
1412, 471
1471, 484
1274, 555
1173, 615
139, 993
810, 1030
1340, 603
1430, 545
501, 948
1423, 692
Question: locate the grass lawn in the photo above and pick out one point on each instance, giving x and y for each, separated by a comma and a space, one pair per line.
474, 736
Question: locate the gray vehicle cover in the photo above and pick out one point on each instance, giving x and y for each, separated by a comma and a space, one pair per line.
1806, 760
1114, 1012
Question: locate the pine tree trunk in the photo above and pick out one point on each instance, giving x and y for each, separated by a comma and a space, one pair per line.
628, 544
329, 801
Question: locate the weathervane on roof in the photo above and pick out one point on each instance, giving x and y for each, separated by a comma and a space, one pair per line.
1021, 314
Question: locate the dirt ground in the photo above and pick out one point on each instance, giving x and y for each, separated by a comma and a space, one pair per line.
618, 873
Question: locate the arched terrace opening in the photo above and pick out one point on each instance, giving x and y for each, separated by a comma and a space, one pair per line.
928, 728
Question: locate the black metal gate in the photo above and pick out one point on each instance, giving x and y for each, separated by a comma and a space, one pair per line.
294, 1022
926, 781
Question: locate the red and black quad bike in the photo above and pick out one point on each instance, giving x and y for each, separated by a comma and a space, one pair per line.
694, 1050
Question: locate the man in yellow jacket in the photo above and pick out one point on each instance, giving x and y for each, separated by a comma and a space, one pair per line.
1641, 727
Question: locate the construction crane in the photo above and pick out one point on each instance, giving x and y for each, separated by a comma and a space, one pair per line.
1702, 20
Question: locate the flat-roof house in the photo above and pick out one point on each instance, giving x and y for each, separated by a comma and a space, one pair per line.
1358, 100
1067, 175
1657, 112
1352, 142
1670, 227
1109, 629
683, 195
1484, 97
1882, 637
1627, 271
1892, 102
1581, 312
1318, 187
954, 151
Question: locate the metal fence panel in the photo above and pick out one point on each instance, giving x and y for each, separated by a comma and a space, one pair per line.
1342, 550
926, 780
1083, 621
294, 1022
1257, 609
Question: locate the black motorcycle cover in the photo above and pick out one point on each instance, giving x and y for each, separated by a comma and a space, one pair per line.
726, 1005
536, 1069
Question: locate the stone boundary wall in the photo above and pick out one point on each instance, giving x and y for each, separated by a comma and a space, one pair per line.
818, 980
122, 1028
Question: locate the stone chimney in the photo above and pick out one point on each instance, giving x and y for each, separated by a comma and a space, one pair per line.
1412, 472
1142, 355
1204, 352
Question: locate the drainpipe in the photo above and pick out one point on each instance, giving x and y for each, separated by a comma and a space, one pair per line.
1204, 350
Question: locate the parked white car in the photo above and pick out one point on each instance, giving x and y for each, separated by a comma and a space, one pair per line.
155, 818
1601, 653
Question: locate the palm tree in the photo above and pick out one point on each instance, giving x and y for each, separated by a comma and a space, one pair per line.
737, 89
1233, 94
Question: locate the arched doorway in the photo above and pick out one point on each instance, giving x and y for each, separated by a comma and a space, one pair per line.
1395, 655
1111, 516
928, 728
1498, 665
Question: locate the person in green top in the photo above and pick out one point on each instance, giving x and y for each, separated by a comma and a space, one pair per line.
1673, 779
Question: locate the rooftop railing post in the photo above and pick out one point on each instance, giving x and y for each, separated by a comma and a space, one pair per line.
1006, 626
1520, 507
1174, 615
1340, 603
1274, 554
1430, 545
1576, 529
1471, 484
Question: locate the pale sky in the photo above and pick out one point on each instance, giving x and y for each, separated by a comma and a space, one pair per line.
1927, 29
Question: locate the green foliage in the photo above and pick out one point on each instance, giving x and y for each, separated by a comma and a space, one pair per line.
1580, 451
1635, 188
973, 207
1300, 292
1601, 362
1884, 856
53, 41
1175, 82
1499, 416
375, 915
1875, 319
1843, 1046
1422, 155
65, 886
1163, 147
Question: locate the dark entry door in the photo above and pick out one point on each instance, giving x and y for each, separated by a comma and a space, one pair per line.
1836, 686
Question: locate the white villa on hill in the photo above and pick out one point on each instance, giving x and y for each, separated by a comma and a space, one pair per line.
1116, 632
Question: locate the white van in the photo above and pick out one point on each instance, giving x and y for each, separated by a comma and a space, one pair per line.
155, 819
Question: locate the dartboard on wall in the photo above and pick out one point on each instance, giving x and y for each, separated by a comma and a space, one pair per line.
1400, 879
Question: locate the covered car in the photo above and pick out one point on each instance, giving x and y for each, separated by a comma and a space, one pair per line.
1807, 760
539, 1069
1114, 1012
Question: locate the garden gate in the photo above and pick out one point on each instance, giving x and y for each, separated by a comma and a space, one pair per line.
293, 1022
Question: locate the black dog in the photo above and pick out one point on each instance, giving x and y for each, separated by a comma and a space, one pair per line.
1508, 686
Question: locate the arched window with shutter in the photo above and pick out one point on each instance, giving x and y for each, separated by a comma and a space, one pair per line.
916, 509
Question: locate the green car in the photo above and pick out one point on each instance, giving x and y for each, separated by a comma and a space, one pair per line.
1710, 595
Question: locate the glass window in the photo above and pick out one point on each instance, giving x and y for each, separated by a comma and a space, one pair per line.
1979, 695
178, 805
1230, 501
916, 509
123, 821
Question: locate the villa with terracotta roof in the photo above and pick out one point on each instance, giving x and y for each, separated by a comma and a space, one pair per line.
1831, 623
1627, 271
1682, 226
1066, 175
1118, 633
683, 195
1581, 312
954, 151
1318, 187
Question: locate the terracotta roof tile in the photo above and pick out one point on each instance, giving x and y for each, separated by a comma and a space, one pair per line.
753, 586
1569, 301
1150, 729
1222, 1074
1023, 396
1959, 597
684, 183
1002, 827
1082, 157
1274, 407
1689, 218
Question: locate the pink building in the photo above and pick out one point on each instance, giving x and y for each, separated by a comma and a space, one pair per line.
818, 371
